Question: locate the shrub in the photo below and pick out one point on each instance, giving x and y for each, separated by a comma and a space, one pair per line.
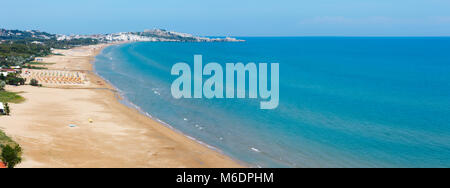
11, 156
7, 110
34, 82
2, 85
13, 79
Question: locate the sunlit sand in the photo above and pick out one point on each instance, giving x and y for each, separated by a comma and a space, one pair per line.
75, 120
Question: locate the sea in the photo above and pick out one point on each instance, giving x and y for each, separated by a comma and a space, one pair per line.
344, 101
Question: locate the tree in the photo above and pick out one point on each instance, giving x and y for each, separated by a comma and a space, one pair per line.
2, 85
22, 81
11, 156
7, 110
34, 82
13, 79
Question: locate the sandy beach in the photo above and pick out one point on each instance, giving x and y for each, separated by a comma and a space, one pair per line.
84, 125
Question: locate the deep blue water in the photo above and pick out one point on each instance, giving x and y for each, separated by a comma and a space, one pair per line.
344, 101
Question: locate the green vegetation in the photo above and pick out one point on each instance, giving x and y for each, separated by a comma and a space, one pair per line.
34, 82
5, 140
23, 49
10, 97
13, 54
20, 47
23, 35
29, 65
10, 151
39, 63
11, 155
7, 109
66, 44
13, 79
34, 67
2, 85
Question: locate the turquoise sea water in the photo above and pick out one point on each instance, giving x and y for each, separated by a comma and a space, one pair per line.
344, 102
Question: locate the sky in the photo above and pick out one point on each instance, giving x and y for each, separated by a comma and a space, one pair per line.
233, 17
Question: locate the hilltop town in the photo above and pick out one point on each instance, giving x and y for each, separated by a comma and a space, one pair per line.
153, 35
20, 48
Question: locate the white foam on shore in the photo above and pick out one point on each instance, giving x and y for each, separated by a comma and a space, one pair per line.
124, 100
255, 150
156, 91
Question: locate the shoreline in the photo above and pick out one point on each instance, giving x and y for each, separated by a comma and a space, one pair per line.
56, 145
121, 98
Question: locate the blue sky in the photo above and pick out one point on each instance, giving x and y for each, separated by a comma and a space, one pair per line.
233, 17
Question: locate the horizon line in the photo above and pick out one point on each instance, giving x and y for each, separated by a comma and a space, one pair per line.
249, 36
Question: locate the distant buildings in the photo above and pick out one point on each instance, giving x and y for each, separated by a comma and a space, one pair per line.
37, 42
153, 35
13, 69
5, 72
17, 68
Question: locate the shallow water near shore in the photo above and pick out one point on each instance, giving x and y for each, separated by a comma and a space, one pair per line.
344, 102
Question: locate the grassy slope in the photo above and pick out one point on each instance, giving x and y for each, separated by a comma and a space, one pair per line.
13, 98
39, 63
10, 97
4, 140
